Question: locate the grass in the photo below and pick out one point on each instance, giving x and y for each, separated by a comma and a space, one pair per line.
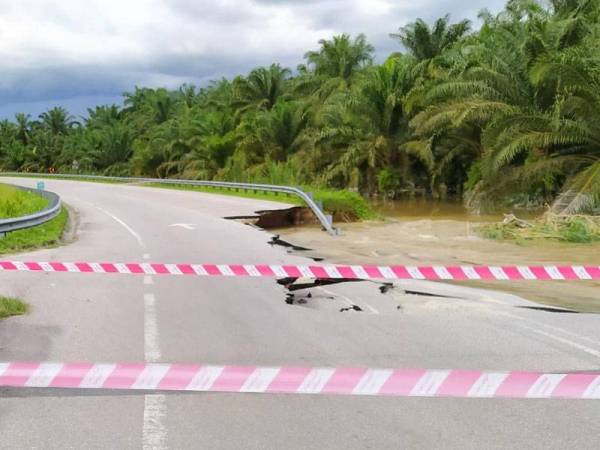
16, 203
574, 229
45, 235
342, 205
10, 306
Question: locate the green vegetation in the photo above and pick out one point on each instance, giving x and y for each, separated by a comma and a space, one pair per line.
12, 307
506, 114
45, 235
15, 203
343, 205
574, 229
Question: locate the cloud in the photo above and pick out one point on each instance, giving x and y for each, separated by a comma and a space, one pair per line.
52, 51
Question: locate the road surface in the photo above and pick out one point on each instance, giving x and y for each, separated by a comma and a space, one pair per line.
100, 318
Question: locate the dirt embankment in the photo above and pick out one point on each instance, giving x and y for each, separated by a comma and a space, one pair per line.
451, 242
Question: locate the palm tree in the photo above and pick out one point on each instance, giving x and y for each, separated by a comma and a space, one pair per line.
341, 56
563, 143
334, 66
58, 120
425, 43
366, 127
103, 115
23, 127
277, 134
261, 88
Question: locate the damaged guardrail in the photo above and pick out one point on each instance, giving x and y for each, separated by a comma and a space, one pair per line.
32, 220
325, 219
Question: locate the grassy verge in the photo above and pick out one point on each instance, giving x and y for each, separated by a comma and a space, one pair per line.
343, 205
45, 235
12, 307
574, 229
16, 203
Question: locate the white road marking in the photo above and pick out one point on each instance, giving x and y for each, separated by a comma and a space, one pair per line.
577, 345
349, 302
187, 226
146, 256
124, 225
343, 297
148, 279
154, 434
551, 327
371, 309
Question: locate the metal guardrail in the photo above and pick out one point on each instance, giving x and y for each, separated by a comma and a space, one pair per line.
32, 220
325, 219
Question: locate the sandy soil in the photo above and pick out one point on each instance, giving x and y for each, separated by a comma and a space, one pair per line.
425, 242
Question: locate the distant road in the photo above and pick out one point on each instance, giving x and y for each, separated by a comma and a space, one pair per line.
246, 321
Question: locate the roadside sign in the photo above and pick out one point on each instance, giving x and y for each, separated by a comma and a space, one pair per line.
40, 185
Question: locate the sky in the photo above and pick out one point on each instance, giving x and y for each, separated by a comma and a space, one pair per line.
77, 54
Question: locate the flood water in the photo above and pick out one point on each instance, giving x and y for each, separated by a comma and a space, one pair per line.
424, 208
427, 232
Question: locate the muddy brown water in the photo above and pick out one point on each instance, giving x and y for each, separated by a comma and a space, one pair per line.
446, 234
423, 208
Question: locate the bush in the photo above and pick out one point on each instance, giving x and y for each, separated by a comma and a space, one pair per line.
344, 205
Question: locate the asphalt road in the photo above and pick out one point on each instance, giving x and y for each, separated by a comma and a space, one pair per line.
98, 318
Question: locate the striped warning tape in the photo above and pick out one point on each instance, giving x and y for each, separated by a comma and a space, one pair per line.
324, 271
301, 380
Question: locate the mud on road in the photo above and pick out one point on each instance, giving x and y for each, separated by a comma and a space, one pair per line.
449, 242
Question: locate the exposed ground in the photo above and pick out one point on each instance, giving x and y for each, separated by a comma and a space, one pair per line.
448, 242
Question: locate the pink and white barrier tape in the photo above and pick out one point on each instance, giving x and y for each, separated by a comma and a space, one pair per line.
326, 271
301, 380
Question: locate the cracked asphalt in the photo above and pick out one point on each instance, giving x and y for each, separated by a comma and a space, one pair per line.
101, 318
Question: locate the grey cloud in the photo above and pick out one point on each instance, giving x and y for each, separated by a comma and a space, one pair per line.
186, 41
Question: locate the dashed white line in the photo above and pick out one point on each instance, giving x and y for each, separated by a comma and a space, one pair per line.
155, 405
155, 433
148, 279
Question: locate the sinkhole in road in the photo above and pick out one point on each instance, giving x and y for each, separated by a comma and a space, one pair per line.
293, 284
279, 218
